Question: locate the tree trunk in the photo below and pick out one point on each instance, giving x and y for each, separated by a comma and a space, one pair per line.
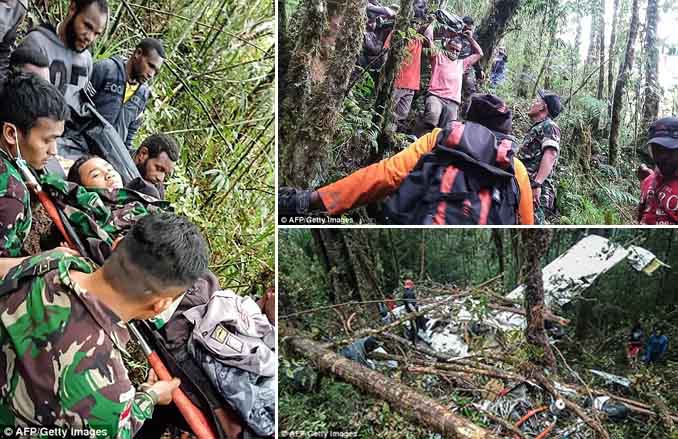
652, 87
394, 254
621, 83
383, 104
577, 41
330, 245
328, 40
535, 243
613, 40
410, 403
601, 51
574, 62
422, 254
593, 39
493, 26
353, 267
499, 246
283, 48
547, 58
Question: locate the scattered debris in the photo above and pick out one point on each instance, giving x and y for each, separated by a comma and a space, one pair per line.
465, 344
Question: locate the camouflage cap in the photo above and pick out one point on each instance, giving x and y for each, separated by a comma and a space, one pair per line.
664, 132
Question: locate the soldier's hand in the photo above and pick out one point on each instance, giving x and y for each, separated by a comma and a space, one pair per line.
536, 196
163, 389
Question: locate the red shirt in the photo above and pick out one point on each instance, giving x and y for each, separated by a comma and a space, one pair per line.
658, 200
409, 75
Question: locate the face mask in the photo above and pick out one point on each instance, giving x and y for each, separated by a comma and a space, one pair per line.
28, 176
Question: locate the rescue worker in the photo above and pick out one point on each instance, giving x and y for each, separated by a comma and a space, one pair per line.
410, 303
656, 347
63, 320
376, 182
31, 118
408, 80
119, 87
155, 159
659, 189
539, 152
66, 46
359, 350
635, 343
472, 72
499, 67
12, 13
27, 60
447, 72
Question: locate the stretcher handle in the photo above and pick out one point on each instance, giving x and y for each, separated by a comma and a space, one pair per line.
193, 415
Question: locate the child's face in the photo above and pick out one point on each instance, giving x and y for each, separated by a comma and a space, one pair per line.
97, 173
666, 159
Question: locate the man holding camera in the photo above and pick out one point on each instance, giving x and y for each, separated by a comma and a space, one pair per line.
447, 74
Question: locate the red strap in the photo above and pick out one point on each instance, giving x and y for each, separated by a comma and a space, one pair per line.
485, 203
502, 153
445, 188
454, 137
51, 210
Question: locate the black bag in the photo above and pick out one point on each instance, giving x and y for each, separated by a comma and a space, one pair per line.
472, 182
91, 133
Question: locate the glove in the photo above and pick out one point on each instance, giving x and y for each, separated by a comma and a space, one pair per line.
293, 201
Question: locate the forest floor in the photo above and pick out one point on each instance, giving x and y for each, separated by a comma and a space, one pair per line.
322, 402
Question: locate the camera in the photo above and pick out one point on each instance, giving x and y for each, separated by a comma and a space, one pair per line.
452, 23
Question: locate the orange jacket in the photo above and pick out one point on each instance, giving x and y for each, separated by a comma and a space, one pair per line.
381, 179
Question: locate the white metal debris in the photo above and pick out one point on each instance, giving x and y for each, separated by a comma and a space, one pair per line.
565, 278
575, 270
643, 260
609, 378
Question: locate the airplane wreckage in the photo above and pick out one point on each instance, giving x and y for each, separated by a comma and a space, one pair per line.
460, 341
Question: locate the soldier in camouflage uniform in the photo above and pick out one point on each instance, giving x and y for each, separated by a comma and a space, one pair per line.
539, 153
62, 332
32, 117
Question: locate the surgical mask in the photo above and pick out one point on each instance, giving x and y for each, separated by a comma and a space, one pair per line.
21, 163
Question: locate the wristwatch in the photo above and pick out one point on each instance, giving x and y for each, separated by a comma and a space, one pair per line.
535, 184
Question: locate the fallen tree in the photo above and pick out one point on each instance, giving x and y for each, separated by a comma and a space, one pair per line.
418, 407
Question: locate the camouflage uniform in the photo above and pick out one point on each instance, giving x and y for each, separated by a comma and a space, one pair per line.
542, 135
99, 216
61, 355
15, 209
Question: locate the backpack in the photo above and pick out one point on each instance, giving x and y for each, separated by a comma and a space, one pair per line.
472, 182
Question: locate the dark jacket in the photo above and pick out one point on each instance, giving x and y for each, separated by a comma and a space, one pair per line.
10, 17
108, 81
